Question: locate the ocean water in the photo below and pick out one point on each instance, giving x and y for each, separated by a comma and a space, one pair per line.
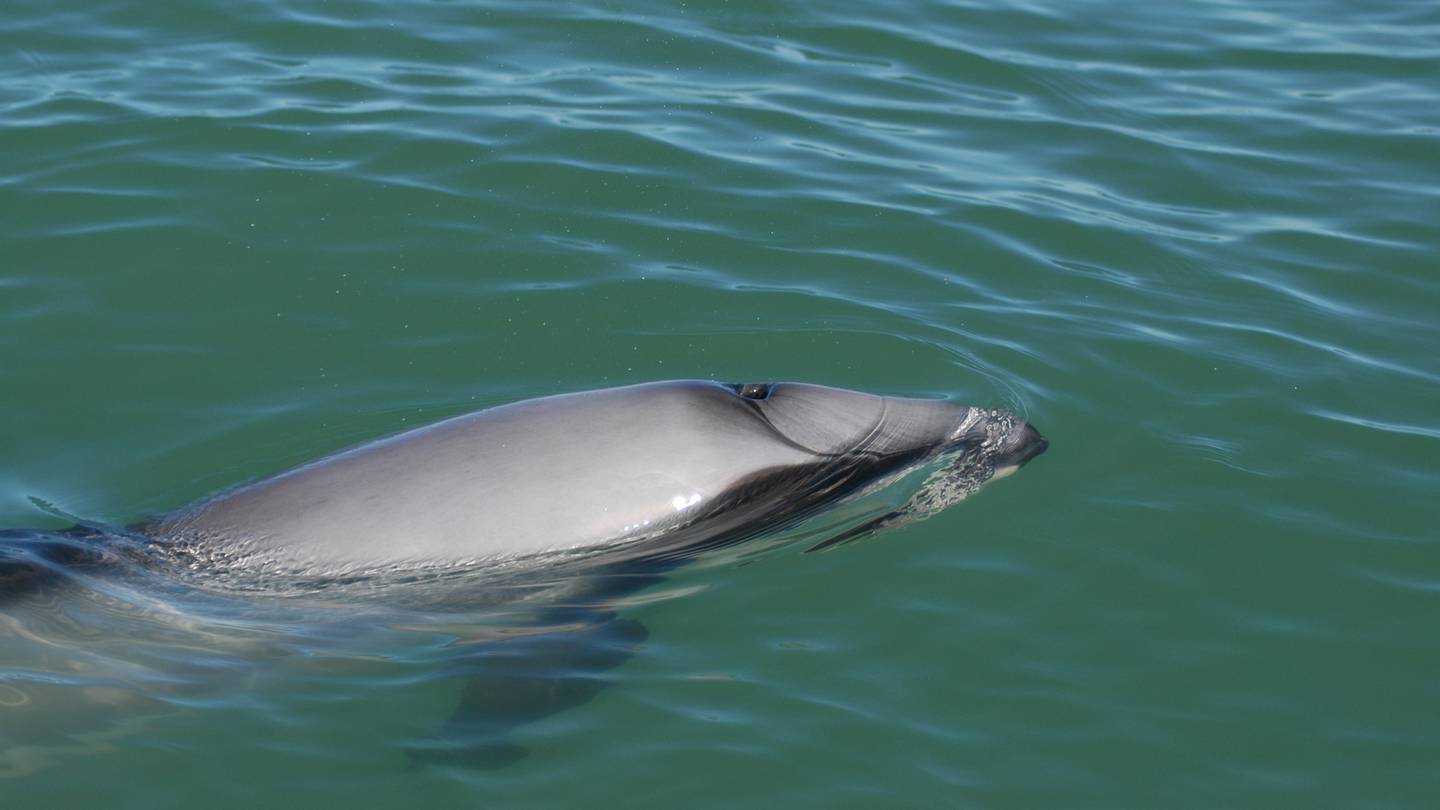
1195, 243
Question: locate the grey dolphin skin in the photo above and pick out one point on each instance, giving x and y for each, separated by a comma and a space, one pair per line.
644, 470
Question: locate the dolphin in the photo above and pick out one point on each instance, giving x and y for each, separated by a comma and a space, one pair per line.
644, 470
618, 487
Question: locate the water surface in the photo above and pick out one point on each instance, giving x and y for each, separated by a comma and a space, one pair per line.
1194, 243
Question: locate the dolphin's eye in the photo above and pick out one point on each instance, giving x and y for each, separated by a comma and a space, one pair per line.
753, 390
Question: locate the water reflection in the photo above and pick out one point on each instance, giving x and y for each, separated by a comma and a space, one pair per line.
100, 635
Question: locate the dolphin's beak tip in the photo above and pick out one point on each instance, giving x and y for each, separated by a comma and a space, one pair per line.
1030, 445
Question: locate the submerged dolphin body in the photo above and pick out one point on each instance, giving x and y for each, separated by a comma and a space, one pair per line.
641, 471
615, 487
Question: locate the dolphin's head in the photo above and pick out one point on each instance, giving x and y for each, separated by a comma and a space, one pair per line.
863, 441
837, 422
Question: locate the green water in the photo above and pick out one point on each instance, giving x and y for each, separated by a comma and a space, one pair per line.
1194, 242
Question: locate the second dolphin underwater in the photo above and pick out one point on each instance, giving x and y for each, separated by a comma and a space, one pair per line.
621, 485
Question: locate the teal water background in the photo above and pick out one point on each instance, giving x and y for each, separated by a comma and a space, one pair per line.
1196, 243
